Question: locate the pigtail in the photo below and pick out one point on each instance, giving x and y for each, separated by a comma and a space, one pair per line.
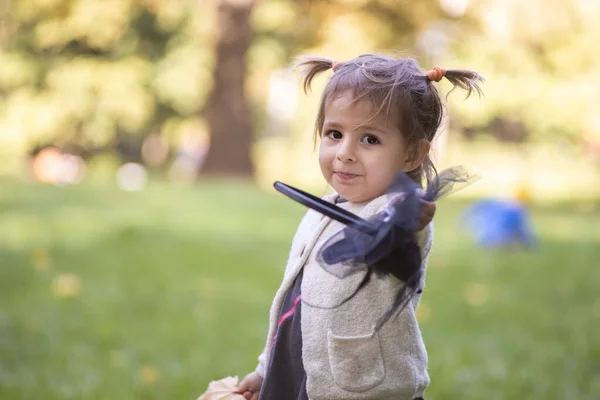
462, 78
311, 67
466, 80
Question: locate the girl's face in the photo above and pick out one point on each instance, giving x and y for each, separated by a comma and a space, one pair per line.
360, 154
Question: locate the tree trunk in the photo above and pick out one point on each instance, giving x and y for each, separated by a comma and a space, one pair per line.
229, 116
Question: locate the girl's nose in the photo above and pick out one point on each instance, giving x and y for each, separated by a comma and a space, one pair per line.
346, 151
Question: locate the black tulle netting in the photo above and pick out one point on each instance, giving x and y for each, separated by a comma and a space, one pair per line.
386, 243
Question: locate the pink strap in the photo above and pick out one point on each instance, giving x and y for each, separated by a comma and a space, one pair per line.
286, 316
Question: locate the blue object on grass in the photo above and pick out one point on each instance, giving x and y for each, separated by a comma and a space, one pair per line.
500, 223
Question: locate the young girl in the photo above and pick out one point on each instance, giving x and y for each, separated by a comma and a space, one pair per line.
378, 116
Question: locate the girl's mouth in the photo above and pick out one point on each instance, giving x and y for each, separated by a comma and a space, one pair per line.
345, 176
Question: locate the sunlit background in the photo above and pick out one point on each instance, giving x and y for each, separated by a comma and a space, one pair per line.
141, 241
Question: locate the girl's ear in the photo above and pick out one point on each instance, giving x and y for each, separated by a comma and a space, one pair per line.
416, 155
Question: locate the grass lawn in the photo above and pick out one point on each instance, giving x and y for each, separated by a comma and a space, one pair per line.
150, 295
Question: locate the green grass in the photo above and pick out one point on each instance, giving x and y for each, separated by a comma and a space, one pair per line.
179, 281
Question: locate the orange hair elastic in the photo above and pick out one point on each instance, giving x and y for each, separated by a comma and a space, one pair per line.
335, 65
436, 74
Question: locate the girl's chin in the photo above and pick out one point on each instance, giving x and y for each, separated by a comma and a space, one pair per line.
352, 195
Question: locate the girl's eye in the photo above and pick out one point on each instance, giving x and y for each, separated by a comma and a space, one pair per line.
334, 134
369, 139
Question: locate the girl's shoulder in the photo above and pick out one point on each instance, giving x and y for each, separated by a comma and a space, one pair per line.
371, 207
363, 210
377, 205
312, 218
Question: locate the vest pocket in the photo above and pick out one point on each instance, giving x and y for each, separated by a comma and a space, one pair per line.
356, 362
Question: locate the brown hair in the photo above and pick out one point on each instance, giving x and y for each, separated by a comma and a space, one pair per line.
395, 86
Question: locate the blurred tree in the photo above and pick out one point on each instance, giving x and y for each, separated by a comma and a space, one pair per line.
540, 65
229, 116
89, 76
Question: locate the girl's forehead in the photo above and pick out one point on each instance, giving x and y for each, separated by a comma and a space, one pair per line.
347, 99
348, 105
